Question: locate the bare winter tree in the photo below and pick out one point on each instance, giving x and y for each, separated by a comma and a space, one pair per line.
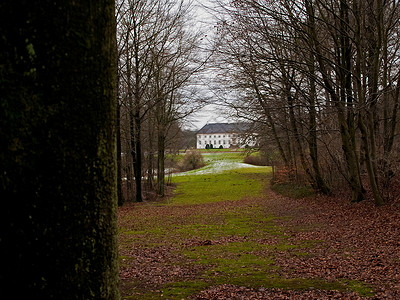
298, 63
159, 58
269, 69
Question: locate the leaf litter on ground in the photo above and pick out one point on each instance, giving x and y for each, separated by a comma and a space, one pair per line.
355, 244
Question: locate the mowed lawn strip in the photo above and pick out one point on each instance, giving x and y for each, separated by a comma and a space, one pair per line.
229, 185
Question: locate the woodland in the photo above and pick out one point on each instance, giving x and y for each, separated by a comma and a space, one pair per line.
94, 97
319, 82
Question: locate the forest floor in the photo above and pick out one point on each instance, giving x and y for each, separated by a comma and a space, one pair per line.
257, 244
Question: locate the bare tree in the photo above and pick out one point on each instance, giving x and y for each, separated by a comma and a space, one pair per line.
159, 58
267, 55
295, 61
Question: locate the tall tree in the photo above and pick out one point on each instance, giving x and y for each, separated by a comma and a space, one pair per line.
336, 64
159, 57
142, 25
58, 149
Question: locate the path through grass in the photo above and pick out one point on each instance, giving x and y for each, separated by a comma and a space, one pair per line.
217, 229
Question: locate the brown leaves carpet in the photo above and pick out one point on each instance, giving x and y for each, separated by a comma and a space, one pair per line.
360, 242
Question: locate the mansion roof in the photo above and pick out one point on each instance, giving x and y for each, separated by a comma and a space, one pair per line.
224, 128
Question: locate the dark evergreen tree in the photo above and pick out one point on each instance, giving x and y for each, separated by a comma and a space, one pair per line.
58, 149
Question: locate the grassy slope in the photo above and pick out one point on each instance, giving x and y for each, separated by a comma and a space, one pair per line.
215, 230
208, 188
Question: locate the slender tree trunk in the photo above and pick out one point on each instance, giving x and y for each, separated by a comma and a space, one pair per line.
368, 159
58, 179
119, 158
312, 128
118, 128
161, 162
390, 128
150, 154
368, 118
130, 191
346, 123
270, 121
297, 139
136, 148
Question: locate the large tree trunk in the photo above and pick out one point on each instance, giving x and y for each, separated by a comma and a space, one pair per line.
58, 149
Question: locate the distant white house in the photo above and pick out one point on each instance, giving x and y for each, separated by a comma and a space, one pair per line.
227, 135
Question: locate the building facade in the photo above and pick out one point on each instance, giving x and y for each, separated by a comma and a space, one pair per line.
225, 135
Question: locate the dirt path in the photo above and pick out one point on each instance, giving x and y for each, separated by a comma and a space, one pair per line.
260, 248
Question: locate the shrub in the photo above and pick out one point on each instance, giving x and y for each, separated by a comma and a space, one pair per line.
256, 159
192, 160
220, 147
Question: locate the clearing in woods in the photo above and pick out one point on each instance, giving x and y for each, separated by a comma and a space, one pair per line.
225, 235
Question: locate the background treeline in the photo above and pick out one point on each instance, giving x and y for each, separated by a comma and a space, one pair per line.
159, 66
321, 79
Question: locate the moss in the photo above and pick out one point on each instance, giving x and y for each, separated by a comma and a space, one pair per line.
361, 288
182, 289
125, 261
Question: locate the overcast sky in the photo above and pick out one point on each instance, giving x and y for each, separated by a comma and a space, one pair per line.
211, 113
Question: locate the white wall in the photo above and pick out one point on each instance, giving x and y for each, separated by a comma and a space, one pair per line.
224, 139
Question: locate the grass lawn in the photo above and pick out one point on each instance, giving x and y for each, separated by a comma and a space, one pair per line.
217, 229
214, 187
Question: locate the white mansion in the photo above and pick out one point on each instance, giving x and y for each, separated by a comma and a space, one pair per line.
227, 135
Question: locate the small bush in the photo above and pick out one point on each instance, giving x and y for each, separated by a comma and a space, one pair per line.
192, 160
256, 159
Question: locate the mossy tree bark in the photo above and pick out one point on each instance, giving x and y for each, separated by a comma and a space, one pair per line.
58, 149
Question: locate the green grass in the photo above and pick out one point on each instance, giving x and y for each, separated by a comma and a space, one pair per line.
216, 186
223, 156
214, 150
218, 223
182, 289
208, 188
